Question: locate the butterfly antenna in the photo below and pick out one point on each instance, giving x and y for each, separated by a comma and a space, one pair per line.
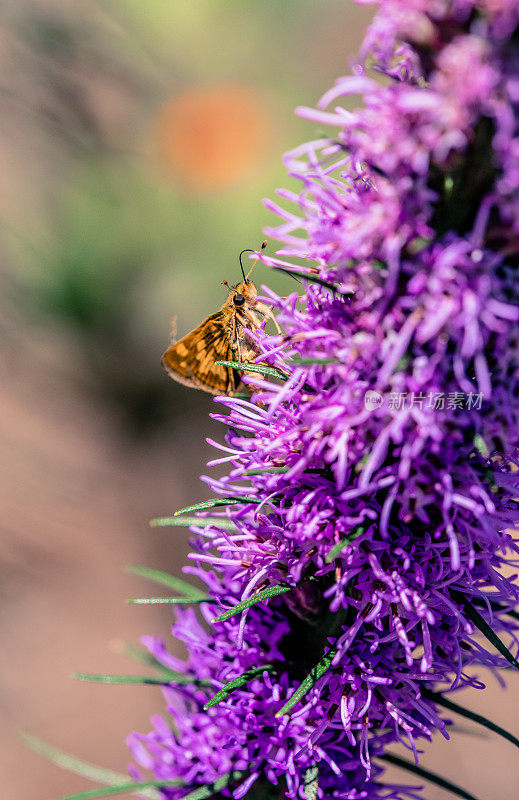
248, 250
263, 246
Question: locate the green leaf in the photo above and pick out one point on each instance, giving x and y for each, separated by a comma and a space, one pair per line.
165, 579
263, 369
236, 683
170, 677
480, 623
479, 444
90, 771
264, 594
218, 501
200, 794
428, 775
308, 277
402, 364
304, 362
73, 764
441, 700
150, 601
270, 591
311, 782
415, 246
265, 471
141, 655
311, 679
186, 522
273, 470
362, 462
133, 787
208, 791
340, 546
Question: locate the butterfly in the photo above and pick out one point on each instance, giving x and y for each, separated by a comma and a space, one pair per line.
220, 337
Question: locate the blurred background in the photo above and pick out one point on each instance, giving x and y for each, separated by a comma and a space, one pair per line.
136, 142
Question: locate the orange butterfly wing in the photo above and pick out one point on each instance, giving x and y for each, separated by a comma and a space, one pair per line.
192, 360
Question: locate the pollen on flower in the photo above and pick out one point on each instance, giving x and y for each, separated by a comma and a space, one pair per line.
373, 483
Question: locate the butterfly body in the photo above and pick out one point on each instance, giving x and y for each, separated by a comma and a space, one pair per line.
220, 337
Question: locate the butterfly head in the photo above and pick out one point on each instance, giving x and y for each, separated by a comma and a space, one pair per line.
244, 294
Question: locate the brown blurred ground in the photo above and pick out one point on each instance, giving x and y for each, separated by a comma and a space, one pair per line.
75, 503
95, 259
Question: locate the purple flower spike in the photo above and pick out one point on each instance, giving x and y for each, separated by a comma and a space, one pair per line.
356, 574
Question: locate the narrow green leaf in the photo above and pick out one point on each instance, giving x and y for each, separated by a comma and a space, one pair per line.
402, 365
218, 501
340, 546
360, 464
165, 579
186, 522
108, 791
428, 775
73, 764
265, 470
264, 594
304, 362
236, 683
169, 677
311, 679
308, 277
270, 591
480, 445
480, 623
139, 654
150, 601
201, 793
208, 791
311, 782
326, 473
441, 700
263, 369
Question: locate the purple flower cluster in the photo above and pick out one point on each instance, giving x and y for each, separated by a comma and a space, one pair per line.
373, 472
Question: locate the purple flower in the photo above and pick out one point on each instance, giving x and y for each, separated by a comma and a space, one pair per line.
374, 476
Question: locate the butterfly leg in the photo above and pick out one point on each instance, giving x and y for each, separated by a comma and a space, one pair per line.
266, 312
274, 320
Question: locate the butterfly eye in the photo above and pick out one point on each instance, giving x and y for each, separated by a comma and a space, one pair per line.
238, 299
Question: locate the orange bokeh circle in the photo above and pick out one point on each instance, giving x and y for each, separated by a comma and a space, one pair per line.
211, 138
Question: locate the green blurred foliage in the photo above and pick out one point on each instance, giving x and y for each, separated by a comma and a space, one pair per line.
115, 246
